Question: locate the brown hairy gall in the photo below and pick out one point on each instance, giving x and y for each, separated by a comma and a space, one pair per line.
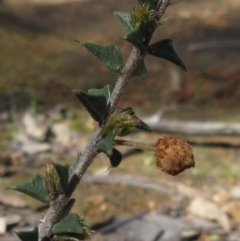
173, 155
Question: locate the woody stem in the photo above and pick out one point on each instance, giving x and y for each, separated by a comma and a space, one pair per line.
135, 145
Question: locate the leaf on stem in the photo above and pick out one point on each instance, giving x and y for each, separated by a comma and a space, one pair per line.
115, 158
125, 19
34, 188
95, 102
139, 124
106, 91
106, 144
143, 126
28, 235
71, 226
109, 55
164, 49
135, 36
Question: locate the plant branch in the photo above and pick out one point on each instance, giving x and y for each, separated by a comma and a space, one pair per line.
124, 77
57, 206
162, 6
136, 145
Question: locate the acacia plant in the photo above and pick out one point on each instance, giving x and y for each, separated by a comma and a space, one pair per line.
173, 155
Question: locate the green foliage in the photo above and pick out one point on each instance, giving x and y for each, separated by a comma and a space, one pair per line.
95, 101
142, 126
109, 55
106, 91
106, 144
115, 158
71, 226
54, 182
123, 123
120, 124
142, 15
125, 19
28, 235
34, 188
139, 25
136, 36
96, 105
164, 49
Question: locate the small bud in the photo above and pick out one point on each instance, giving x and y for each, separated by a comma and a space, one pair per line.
142, 15
173, 155
123, 123
52, 180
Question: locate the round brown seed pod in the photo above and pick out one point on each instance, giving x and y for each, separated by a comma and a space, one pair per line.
173, 155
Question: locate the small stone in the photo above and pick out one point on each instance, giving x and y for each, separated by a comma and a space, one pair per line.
211, 211
235, 192
3, 225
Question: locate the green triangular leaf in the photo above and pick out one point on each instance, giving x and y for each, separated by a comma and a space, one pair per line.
151, 3
106, 91
139, 124
63, 172
135, 37
125, 19
96, 105
68, 225
109, 55
164, 49
140, 68
115, 158
143, 126
106, 144
34, 188
28, 235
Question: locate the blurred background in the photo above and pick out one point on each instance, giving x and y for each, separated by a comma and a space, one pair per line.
41, 120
